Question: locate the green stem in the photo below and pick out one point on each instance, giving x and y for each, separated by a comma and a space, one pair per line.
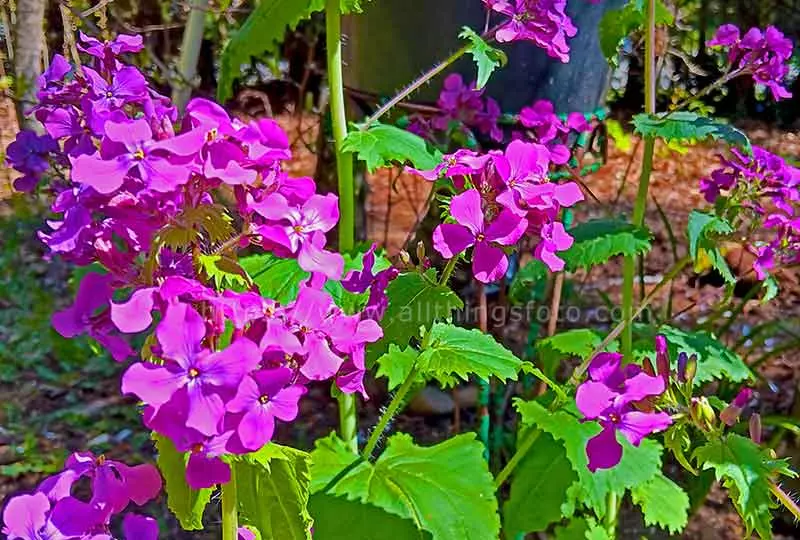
785, 499
190, 52
448, 270
348, 419
230, 515
612, 514
629, 264
522, 448
389, 413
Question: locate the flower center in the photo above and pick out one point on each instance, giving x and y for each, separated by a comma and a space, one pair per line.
196, 448
109, 94
194, 373
480, 237
101, 459
614, 417
298, 229
139, 154
211, 135
264, 399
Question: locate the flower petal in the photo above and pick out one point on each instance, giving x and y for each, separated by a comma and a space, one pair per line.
450, 239
205, 472
593, 399
153, 384
489, 263
603, 450
636, 425
466, 210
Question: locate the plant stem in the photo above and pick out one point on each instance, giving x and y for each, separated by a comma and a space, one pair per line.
448, 270
522, 448
485, 389
190, 51
612, 513
785, 499
389, 413
348, 419
230, 515
629, 264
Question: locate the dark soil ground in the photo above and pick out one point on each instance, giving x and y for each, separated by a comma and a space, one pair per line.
50, 405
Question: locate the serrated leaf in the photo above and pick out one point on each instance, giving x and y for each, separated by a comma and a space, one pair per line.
381, 145
444, 489
714, 360
272, 488
638, 465
275, 277
686, 126
581, 528
677, 441
597, 241
704, 230
186, 503
579, 342
260, 34
396, 365
486, 57
414, 302
745, 469
618, 24
530, 280
336, 518
544, 475
223, 271
663, 503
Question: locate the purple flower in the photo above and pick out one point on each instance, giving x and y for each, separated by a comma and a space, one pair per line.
608, 397
202, 374
26, 517
489, 262
730, 414
129, 146
360, 281
127, 86
554, 238
544, 22
107, 51
139, 527
263, 396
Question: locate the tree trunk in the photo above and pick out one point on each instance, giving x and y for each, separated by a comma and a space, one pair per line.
29, 46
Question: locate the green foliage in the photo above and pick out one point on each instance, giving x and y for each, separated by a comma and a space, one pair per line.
544, 475
622, 140
457, 352
223, 271
677, 441
444, 489
597, 241
528, 281
486, 57
396, 364
276, 278
746, 471
703, 231
336, 518
414, 301
272, 488
682, 126
580, 343
663, 502
638, 466
581, 529
381, 144
714, 360
618, 24
186, 503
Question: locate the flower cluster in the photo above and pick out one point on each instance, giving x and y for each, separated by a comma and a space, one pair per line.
503, 196
613, 396
463, 109
52, 512
544, 22
763, 54
768, 189
134, 194
549, 129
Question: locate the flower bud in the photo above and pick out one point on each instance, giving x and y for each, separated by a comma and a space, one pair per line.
420, 251
755, 428
730, 414
702, 412
691, 368
662, 358
405, 258
683, 359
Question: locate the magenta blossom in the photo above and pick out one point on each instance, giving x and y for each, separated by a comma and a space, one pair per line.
489, 262
543, 22
609, 397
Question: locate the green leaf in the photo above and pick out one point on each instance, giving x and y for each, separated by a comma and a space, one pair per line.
186, 503
381, 144
275, 277
582, 528
703, 231
745, 470
486, 57
352, 6
622, 140
638, 465
444, 489
544, 475
336, 518
223, 271
685, 126
260, 34
458, 352
714, 360
597, 241
273, 489
528, 281
664, 503
329, 457
396, 364
414, 302
580, 343
677, 441
618, 24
